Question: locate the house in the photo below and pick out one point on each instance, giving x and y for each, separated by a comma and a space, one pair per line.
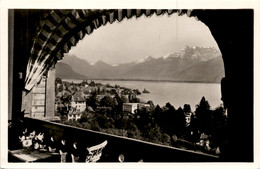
74, 114
204, 141
78, 101
132, 107
188, 118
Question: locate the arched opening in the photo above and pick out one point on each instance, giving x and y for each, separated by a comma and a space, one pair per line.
122, 48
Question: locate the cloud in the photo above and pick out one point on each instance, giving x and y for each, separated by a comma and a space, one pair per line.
134, 39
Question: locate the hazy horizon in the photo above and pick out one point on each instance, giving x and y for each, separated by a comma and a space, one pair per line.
134, 39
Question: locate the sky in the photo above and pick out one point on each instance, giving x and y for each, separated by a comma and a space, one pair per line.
134, 39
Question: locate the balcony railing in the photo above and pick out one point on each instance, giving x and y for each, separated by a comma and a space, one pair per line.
131, 149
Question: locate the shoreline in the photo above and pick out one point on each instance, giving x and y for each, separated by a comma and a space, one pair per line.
146, 80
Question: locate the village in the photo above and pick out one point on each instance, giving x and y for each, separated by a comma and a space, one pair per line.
71, 98
117, 110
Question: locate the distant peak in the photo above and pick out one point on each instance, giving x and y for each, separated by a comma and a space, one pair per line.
100, 62
166, 56
171, 55
146, 59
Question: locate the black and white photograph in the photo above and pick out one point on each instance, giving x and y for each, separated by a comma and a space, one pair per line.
136, 85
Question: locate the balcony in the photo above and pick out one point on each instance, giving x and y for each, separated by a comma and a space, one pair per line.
132, 150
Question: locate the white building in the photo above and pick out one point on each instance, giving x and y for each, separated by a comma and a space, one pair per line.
132, 107
74, 115
78, 101
188, 118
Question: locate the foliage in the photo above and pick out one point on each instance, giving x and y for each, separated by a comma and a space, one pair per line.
107, 101
204, 116
186, 108
135, 100
163, 125
32, 141
58, 81
92, 101
137, 92
92, 83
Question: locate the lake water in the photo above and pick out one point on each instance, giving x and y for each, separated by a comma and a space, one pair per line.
177, 94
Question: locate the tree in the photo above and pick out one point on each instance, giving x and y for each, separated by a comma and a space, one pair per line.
142, 118
134, 100
204, 115
179, 121
105, 121
56, 90
89, 120
124, 99
186, 108
92, 101
169, 106
219, 123
86, 117
60, 89
92, 83
84, 82
157, 114
166, 119
58, 81
107, 101
136, 91
194, 129
151, 104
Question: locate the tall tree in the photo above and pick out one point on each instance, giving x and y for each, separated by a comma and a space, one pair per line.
186, 108
92, 101
107, 101
157, 114
204, 115
58, 81
219, 123
179, 122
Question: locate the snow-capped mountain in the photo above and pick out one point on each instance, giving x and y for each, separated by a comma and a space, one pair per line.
146, 59
187, 65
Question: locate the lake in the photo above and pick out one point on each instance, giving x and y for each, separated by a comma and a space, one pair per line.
176, 93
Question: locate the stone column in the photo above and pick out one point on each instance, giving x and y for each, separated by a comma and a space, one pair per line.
50, 94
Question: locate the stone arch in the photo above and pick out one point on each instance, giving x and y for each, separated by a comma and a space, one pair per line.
59, 30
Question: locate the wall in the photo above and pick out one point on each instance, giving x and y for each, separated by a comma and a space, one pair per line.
233, 30
132, 149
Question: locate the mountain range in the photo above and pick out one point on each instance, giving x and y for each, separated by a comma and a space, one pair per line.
191, 64
64, 71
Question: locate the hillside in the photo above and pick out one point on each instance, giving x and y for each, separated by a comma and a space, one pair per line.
198, 64
64, 71
208, 71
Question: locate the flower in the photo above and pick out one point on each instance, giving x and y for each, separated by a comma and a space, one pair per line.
22, 138
31, 141
32, 134
42, 146
25, 131
36, 146
39, 137
27, 143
